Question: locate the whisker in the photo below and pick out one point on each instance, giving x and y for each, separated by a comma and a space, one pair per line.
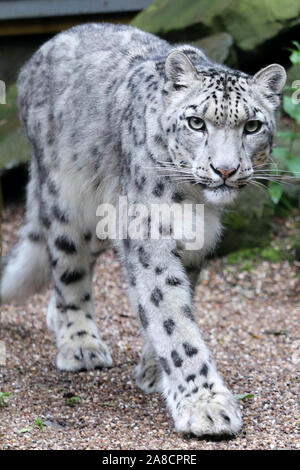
276, 180
258, 185
282, 177
283, 174
267, 163
277, 171
173, 169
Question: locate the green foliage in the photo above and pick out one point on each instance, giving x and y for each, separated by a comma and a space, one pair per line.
272, 254
72, 401
24, 430
287, 155
38, 423
244, 396
293, 110
275, 191
249, 22
280, 249
295, 53
242, 255
4, 397
14, 148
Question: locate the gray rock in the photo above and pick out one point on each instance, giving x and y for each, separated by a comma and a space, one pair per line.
217, 46
251, 23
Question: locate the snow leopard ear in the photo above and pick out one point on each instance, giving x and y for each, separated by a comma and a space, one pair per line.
271, 81
179, 71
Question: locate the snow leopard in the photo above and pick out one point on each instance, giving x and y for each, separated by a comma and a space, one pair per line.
111, 111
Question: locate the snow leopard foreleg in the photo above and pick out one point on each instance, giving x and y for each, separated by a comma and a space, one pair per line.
196, 395
148, 373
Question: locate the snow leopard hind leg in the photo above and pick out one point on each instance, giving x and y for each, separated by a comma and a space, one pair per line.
70, 313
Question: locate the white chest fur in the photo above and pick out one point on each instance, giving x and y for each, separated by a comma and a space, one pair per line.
204, 225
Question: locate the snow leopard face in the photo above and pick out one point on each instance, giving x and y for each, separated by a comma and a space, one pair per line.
219, 123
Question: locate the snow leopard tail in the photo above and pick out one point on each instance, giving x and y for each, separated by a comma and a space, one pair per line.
26, 269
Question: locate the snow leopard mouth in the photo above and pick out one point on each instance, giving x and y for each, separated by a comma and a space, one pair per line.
223, 187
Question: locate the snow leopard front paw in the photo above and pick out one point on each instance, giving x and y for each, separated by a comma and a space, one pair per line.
207, 413
81, 355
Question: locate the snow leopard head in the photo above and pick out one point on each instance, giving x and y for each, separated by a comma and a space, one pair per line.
219, 123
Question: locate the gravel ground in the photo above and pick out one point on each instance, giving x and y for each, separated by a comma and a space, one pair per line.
250, 319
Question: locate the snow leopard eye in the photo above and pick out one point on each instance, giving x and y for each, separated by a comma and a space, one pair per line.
252, 126
196, 123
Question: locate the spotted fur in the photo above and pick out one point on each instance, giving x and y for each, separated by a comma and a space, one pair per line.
107, 110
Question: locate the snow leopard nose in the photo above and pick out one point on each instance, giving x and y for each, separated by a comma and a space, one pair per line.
224, 172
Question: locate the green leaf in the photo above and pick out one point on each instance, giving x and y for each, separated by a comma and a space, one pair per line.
244, 397
4, 396
293, 164
295, 53
288, 88
72, 401
39, 424
297, 44
14, 148
275, 191
292, 109
24, 430
295, 57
